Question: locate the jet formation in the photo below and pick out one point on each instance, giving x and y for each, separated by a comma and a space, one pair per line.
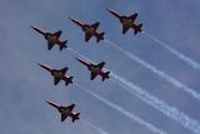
52, 38
65, 111
90, 30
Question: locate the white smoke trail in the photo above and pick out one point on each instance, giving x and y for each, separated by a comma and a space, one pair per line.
126, 113
98, 129
76, 53
180, 55
160, 73
160, 105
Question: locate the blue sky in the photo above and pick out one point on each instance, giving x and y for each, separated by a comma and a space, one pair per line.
25, 86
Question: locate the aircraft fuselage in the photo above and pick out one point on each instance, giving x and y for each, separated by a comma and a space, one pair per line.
89, 30
52, 38
66, 111
58, 74
95, 69
127, 22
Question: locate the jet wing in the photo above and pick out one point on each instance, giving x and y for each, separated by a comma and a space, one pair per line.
64, 70
93, 76
71, 107
125, 29
134, 16
56, 80
58, 33
95, 25
50, 45
101, 65
63, 117
87, 37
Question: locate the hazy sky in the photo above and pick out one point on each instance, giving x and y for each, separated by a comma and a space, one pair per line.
25, 86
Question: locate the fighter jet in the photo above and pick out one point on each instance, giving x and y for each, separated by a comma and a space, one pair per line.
65, 111
96, 69
58, 74
127, 22
52, 38
90, 30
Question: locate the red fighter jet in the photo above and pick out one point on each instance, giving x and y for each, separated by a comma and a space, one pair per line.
65, 111
58, 74
95, 69
52, 38
90, 30
127, 22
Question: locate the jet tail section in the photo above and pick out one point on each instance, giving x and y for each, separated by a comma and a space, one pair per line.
69, 81
63, 45
100, 36
138, 28
106, 76
75, 117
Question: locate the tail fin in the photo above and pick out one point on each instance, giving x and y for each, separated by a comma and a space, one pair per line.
69, 80
106, 76
100, 36
75, 117
138, 28
63, 45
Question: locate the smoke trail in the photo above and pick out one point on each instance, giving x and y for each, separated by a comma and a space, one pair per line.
76, 53
160, 105
180, 55
126, 113
101, 131
160, 73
